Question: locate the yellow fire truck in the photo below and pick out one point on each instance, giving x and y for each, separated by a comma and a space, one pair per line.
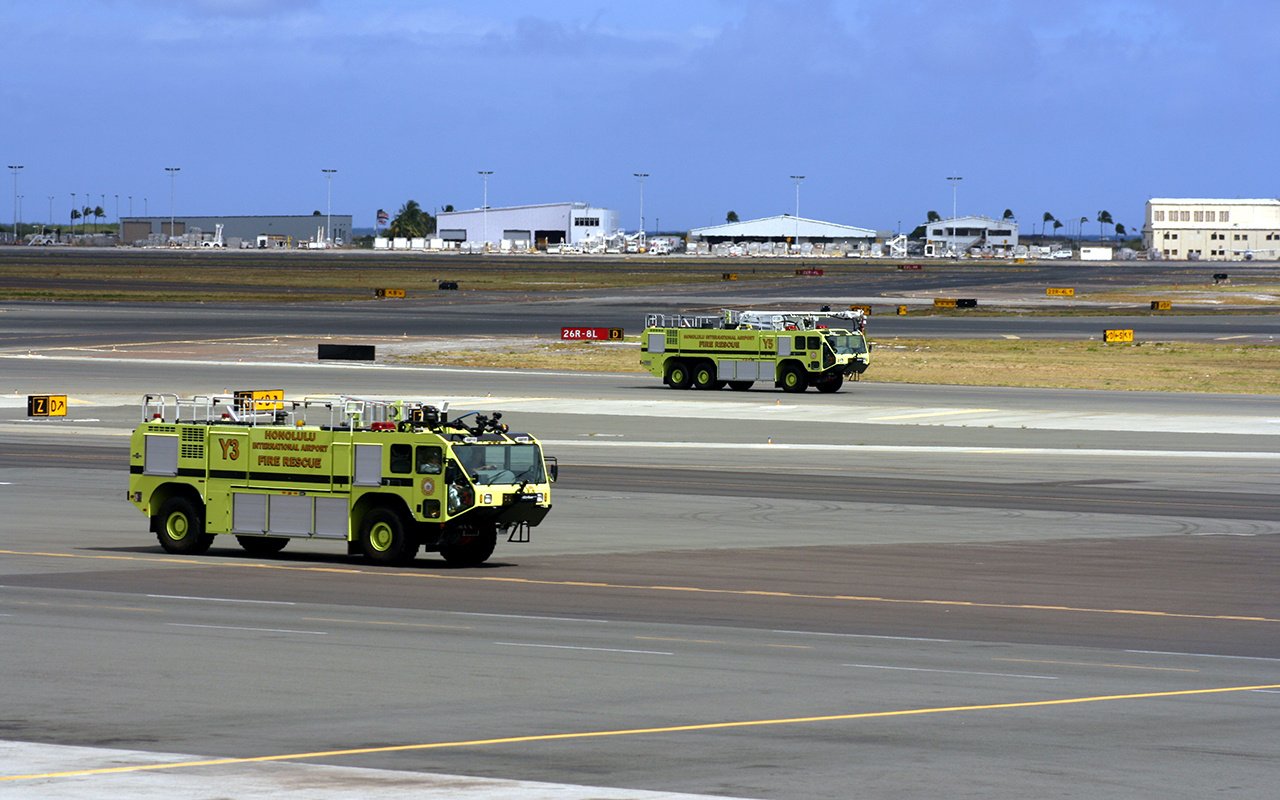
387, 477
791, 349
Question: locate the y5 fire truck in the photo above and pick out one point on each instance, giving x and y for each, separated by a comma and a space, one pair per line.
737, 348
386, 477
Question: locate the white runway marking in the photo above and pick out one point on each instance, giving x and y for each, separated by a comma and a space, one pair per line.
285, 780
252, 630
957, 672
594, 649
220, 599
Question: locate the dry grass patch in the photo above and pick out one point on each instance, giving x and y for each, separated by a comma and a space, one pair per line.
1153, 366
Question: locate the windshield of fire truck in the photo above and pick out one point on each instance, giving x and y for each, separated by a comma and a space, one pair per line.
489, 464
847, 344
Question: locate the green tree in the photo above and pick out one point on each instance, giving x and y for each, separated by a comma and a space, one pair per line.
1056, 225
85, 213
1008, 214
732, 216
448, 209
934, 217
1080, 235
1120, 231
411, 221
98, 214
1104, 218
1046, 220
75, 215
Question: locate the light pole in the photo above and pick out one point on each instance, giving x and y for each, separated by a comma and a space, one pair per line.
50, 217
955, 182
15, 168
328, 209
640, 176
484, 176
798, 180
173, 174
118, 214
131, 205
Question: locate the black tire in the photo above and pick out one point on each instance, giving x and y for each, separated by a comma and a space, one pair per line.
741, 386
678, 375
384, 539
179, 527
830, 382
470, 547
704, 376
262, 545
793, 379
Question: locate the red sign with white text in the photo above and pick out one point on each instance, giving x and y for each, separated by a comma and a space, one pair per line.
590, 334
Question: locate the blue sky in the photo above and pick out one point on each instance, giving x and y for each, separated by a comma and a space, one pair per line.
1041, 105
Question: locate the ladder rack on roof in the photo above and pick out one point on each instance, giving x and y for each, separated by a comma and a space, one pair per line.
785, 320
683, 321
340, 411
751, 320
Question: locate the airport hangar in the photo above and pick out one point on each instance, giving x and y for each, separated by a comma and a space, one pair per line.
280, 230
960, 234
1213, 230
783, 228
536, 225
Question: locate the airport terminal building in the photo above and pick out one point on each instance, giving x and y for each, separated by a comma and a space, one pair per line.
280, 231
1212, 230
536, 226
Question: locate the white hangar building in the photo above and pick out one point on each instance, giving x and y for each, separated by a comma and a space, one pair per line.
783, 228
960, 234
1214, 230
535, 225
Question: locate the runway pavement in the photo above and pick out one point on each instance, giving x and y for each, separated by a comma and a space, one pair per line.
887, 592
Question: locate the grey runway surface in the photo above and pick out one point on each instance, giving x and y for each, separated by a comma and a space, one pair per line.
887, 592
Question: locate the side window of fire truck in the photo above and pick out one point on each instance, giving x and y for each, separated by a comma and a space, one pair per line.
401, 458
429, 460
799, 346
815, 342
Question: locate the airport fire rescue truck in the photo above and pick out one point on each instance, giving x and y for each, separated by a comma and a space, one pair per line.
790, 349
387, 477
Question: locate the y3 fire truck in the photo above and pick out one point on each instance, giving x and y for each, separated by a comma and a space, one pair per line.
387, 477
791, 349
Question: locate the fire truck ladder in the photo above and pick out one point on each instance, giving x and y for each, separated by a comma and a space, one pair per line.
785, 320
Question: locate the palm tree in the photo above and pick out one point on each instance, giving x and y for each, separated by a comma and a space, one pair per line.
85, 213
98, 214
1056, 225
1104, 218
1008, 214
75, 215
411, 221
1120, 231
1080, 235
732, 216
1047, 218
934, 216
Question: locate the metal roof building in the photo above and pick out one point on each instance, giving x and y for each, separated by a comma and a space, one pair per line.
534, 225
292, 228
782, 228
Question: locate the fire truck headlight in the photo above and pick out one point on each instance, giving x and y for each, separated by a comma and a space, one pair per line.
542, 498
487, 499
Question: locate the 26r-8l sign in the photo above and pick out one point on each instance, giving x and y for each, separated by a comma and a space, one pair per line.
590, 334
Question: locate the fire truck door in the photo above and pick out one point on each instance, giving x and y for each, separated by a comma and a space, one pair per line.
368, 465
